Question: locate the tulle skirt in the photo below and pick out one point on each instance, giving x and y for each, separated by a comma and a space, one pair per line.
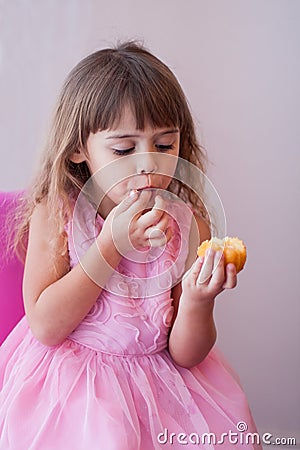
71, 397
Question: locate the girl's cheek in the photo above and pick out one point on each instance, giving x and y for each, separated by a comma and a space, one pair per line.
118, 193
165, 181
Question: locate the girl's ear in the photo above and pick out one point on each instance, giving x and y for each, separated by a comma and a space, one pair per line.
77, 157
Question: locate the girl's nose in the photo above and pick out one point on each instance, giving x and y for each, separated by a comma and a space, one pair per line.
147, 163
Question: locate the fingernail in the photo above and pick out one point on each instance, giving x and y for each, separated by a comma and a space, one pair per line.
133, 192
232, 267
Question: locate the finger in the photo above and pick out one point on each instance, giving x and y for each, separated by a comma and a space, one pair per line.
142, 202
193, 272
154, 215
160, 238
157, 242
156, 237
218, 273
231, 277
207, 268
163, 223
159, 203
128, 201
150, 218
169, 234
160, 227
196, 269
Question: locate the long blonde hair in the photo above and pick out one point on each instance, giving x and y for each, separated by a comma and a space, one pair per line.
92, 99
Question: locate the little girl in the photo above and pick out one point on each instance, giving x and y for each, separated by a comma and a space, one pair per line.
115, 351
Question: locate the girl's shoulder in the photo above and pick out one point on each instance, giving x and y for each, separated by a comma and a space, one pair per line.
40, 236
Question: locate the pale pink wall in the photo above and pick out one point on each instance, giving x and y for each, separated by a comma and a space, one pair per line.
239, 64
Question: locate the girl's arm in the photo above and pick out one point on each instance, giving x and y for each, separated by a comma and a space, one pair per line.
57, 299
193, 333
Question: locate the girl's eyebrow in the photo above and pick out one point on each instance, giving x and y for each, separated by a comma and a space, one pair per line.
124, 136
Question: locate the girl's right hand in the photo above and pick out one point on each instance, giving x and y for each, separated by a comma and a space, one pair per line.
130, 227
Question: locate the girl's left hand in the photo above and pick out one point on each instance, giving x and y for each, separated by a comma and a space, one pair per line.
208, 277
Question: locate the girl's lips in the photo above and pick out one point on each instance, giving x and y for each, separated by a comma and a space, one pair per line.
145, 187
145, 181
140, 189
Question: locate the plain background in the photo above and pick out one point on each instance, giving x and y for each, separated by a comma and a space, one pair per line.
239, 64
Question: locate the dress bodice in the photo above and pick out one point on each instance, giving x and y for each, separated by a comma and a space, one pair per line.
132, 315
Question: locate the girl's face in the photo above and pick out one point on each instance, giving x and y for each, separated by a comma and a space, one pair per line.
124, 158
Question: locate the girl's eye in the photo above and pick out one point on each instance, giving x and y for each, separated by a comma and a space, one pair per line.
164, 148
125, 151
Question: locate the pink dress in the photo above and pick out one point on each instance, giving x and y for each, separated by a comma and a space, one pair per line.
112, 385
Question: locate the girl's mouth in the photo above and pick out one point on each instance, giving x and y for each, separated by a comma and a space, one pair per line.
148, 183
145, 187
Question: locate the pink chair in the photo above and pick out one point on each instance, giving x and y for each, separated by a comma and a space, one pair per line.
11, 274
